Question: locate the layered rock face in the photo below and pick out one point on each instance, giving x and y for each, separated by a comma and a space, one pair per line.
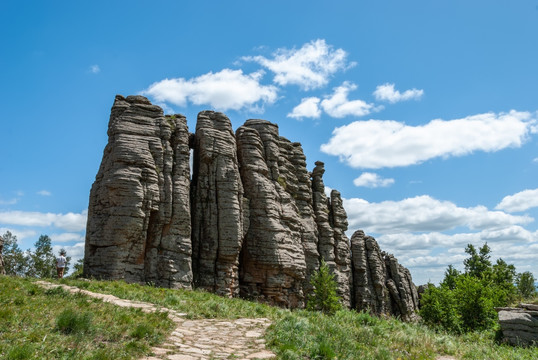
139, 212
251, 222
381, 285
519, 325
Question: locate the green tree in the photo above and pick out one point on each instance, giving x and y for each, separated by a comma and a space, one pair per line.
439, 308
15, 261
478, 264
42, 261
78, 268
475, 302
525, 283
324, 297
451, 274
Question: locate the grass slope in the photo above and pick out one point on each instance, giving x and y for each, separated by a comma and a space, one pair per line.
294, 335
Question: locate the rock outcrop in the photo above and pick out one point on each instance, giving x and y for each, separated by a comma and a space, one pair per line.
381, 285
139, 226
252, 221
519, 325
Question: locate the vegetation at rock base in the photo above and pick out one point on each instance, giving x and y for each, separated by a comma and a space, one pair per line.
323, 297
303, 334
465, 302
36, 323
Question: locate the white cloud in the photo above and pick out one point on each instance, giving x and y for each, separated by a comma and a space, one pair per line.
20, 234
67, 237
309, 107
337, 105
44, 193
95, 69
424, 214
386, 92
69, 221
372, 180
520, 201
310, 67
376, 144
224, 90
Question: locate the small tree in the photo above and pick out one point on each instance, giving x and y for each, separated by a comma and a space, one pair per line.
478, 264
324, 297
451, 274
525, 283
42, 261
15, 261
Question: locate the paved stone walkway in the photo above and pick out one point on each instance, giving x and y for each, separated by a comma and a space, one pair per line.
197, 339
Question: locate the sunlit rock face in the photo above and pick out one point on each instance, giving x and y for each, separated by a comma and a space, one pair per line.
252, 221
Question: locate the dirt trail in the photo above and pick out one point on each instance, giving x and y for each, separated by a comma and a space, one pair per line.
197, 339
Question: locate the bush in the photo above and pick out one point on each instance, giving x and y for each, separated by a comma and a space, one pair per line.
439, 309
69, 321
324, 297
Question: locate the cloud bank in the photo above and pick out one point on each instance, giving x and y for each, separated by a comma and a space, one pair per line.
378, 144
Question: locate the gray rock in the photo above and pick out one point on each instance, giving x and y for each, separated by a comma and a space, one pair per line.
519, 326
252, 222
380, 284
273, 265
217, 206
138, 225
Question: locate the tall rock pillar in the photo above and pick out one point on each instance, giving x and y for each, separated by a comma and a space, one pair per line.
138, 225
217, 202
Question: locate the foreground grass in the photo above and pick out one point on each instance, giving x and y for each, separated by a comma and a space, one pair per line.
52, 324
312, 335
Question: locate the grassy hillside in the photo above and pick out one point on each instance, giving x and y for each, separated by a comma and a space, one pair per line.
124, 333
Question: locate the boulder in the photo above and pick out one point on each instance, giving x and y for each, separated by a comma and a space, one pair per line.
519, 325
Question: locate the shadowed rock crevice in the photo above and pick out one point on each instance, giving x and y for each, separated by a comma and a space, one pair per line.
252, 221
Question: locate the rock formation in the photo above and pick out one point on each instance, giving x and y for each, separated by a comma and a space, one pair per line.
139, 212
381, 285
251, 222
519, 325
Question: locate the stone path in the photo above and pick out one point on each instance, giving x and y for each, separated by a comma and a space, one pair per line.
197, 339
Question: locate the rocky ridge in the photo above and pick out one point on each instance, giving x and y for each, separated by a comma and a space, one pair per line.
252, 221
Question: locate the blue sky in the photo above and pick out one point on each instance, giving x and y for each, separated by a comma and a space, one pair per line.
424, 112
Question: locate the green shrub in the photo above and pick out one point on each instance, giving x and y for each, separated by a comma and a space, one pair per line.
439, 309
69, 321
323, 297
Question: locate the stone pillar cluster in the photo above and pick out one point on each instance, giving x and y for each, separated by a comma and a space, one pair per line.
251, 221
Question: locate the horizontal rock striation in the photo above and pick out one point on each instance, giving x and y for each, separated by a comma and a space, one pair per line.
381, 285
519, 325
138, 225
252, 221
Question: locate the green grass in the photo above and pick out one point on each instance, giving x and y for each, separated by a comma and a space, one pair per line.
52, 324
312, 335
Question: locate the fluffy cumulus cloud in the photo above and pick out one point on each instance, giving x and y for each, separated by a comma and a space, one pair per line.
376, 144
309, 108
309, 67
520, 201
372, 180
338, 105
427, 234
424, 214
68, 222
386, 92
224, 90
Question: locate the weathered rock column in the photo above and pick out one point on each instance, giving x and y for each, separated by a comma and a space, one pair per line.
273, 262
333, 244
217, 201
139, 214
